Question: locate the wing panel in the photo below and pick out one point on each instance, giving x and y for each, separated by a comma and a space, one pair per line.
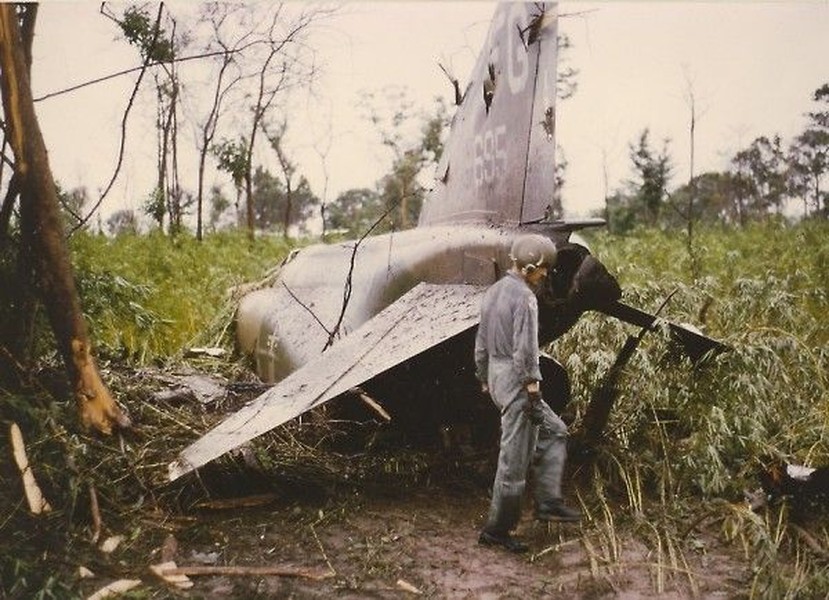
424, 317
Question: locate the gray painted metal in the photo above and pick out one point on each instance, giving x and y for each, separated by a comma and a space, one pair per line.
414, 289
424, 317
498, 165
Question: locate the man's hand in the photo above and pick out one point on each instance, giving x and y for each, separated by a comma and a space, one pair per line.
534, 391
484, 389
533, 407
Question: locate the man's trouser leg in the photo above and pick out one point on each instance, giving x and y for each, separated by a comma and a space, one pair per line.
549, 456
518, 438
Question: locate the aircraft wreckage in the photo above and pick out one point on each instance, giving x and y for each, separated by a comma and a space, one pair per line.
398, 311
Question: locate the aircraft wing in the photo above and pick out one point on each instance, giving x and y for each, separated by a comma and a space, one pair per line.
421, 319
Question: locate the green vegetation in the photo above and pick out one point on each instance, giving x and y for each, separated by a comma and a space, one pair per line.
684, 438
764, 293
684, 443
763, 180
148, 296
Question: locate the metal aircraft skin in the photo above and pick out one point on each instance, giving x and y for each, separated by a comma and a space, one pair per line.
411, 298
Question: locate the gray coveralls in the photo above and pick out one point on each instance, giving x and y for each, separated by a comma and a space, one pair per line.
506, 359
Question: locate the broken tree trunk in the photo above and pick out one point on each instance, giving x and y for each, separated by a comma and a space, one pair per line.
42, 230
598, 411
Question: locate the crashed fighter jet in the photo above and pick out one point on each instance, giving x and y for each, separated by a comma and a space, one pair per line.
398, 311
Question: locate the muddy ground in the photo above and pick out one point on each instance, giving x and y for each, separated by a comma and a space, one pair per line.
379, 523
396, 543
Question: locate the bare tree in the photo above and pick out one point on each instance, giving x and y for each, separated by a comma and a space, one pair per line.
414, 138
282, 66
43, 243
690, 214
323, 147
226, 78
277, 142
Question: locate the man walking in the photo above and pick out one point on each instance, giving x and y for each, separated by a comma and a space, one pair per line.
506, 359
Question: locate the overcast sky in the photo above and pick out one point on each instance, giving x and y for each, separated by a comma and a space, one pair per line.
752, 68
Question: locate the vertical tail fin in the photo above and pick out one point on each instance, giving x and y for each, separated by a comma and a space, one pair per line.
498, 164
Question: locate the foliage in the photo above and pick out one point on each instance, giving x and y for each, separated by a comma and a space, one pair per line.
646, 197
684, 442
123, 221
233, 159
415, 140
271, 202
765, 180
139, 30
72, 203
148, 296
809, 158
703, 434
219, 203
154, 206
353, 212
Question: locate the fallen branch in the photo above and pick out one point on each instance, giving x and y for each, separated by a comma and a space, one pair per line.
408, 587
810, 541
243, 289
241, 502
179, 581
95, 509
116, 588
37, 503
372, 404
331, 568
228, 570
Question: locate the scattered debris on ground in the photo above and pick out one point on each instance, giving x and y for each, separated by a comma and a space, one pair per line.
295, 515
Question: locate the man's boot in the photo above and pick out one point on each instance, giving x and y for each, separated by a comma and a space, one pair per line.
505, 540
556, 510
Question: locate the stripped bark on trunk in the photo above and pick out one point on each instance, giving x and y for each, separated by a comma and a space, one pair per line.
43, 240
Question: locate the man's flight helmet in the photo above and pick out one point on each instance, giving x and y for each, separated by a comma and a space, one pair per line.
531, 251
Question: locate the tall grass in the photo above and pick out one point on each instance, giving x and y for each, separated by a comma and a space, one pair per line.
148, 296
681, 437
684, 442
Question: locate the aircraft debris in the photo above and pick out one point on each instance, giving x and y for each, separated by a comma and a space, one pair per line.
780, 479
403, 303
598, 411
372, 404
202, 388
34, 497
421, 319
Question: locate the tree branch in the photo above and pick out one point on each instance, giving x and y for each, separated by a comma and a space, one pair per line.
143, 67
303, 305
123, 142
348, 280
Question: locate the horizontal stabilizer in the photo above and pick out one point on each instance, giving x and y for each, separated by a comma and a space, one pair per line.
694, 343
421, 319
